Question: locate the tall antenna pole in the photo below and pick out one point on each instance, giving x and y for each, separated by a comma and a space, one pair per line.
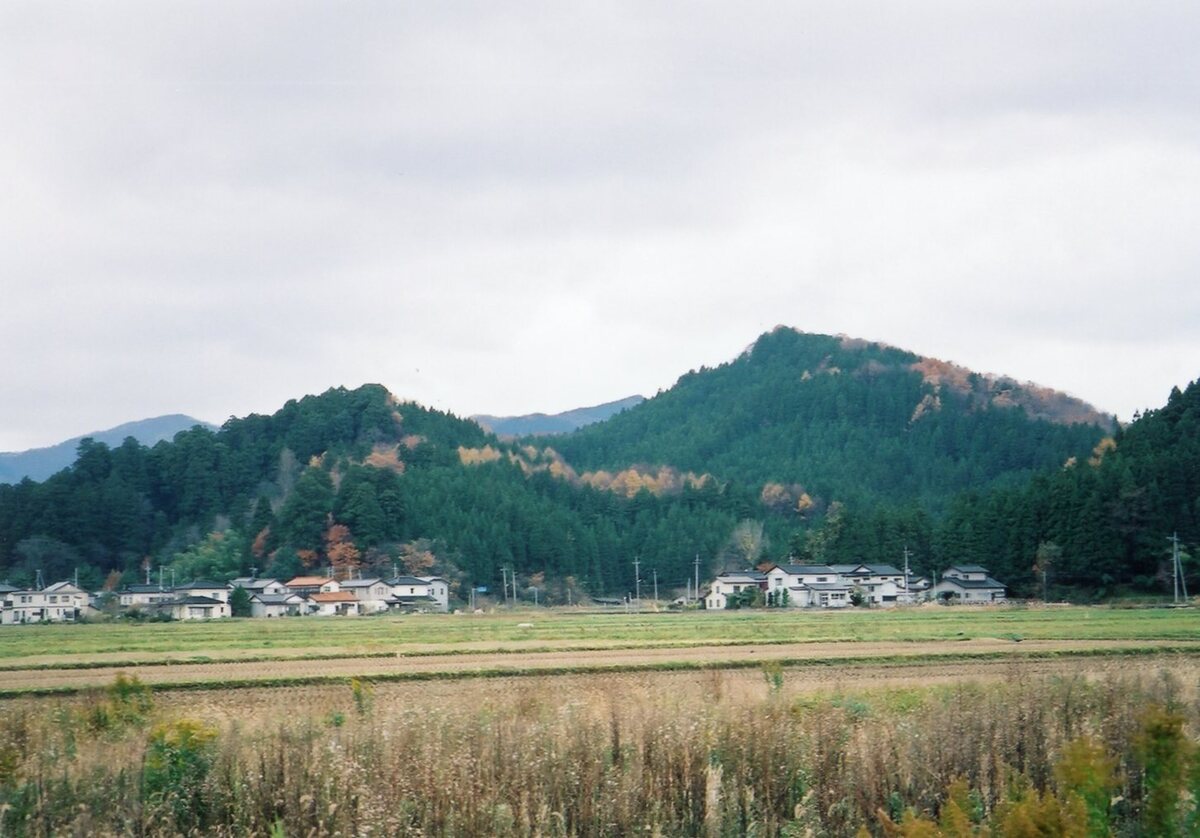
637, 581
1176, 570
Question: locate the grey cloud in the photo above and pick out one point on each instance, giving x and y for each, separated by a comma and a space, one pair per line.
215, 207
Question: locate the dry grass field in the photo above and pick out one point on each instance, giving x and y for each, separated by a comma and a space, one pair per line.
933, 722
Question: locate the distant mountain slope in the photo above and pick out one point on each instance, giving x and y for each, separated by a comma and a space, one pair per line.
349, 480
40, 463
844, 419
535, 424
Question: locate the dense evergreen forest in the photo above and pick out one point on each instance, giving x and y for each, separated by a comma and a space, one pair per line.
348, 480
846, 420
812, 446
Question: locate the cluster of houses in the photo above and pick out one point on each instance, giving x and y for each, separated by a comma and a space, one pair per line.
204, 600
840, 585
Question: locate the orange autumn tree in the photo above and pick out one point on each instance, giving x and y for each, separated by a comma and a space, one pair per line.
340, 550
417, 556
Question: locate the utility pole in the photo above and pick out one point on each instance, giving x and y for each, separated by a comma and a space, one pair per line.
656, 587
637, 581
535, 597
696, 587
504, 583
1177, 568
907, 589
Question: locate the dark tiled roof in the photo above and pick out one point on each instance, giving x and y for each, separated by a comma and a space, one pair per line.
277, 599
196, 600
201, 585
807, 569
406, 580
145, 589
755, 575
251, 584
885, 570
968, 568
989, 582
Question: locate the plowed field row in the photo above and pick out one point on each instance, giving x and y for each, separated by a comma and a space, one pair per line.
815, 655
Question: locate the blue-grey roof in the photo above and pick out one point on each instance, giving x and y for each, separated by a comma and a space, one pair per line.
362, 583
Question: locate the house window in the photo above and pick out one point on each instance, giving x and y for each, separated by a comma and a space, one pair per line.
822, 578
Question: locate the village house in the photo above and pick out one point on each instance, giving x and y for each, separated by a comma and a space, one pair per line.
419, 592
806, 586
334, 603
731, 583
204, 588
276, 605
251, 585
879, 584
143, 596
970, 584
61, 602
307, 585
439, 591
194, 607
373, 594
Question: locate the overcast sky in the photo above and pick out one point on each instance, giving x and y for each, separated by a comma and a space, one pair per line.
210, 208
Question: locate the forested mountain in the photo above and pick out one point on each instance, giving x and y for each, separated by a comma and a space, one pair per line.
819, 447
841, 419
538, 424
1102, 523
348, 479
40, 463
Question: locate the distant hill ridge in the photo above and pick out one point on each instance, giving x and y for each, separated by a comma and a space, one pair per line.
543, 424
40, 463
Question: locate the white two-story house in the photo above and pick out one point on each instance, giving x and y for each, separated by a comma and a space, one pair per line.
427, 592
731, 583
61, 602
373, 594
807, 586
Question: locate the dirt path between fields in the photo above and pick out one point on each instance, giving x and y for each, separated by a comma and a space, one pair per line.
816, 654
